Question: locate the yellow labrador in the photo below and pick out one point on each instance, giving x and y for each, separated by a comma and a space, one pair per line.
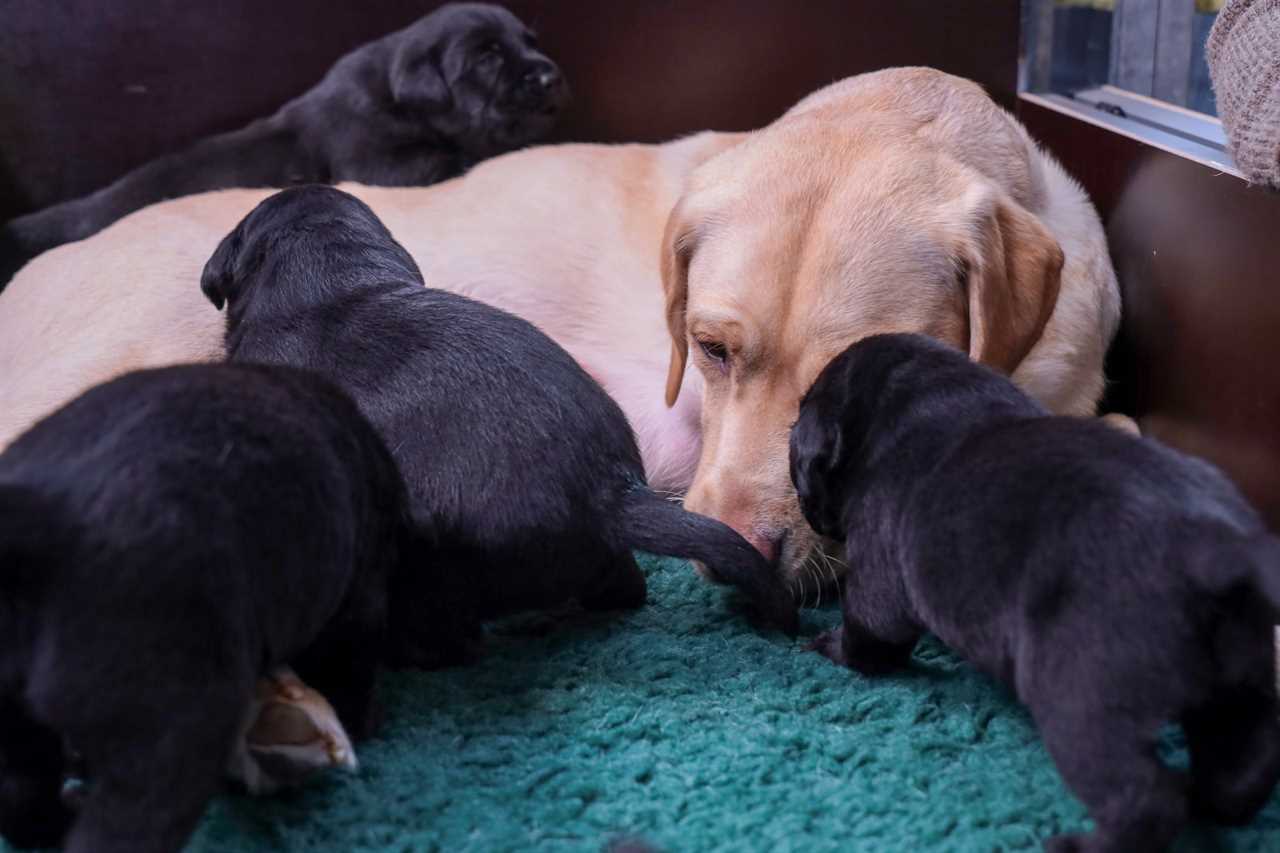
903, 200
899, 200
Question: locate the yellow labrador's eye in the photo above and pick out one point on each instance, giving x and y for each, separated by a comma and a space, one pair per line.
716, 352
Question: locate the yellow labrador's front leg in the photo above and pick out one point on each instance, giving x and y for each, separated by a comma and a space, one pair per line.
289, 733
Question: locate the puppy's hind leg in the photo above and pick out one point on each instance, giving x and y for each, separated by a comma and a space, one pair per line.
1109, 761
153, 765
32, 813
1235, 754
830, 644
433, 620
621, 585
342, 665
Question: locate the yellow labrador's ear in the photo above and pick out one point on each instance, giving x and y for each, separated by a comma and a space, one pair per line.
677, 249
1014, 268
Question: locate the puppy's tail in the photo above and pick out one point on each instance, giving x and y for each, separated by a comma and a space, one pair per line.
1239, 566
652, 523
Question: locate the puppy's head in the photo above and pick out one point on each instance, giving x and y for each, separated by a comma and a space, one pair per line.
829, 438
825, 438
474, 72
303, 238
809, 236
883, 390
838, 415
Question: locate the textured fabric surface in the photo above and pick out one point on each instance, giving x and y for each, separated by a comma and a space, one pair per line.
681, 726
1244, 62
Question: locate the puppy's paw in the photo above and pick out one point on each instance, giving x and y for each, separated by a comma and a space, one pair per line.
290, 733
830, 644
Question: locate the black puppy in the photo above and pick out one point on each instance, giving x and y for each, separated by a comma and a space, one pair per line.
166, 539
519, 465
1114, 584
412, 108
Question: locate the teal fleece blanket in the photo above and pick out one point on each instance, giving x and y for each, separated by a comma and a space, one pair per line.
681, 726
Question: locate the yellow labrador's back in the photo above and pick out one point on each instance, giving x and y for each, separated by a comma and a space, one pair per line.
535, 232
127, 298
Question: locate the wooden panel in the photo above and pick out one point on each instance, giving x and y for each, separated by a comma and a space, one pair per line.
1133, 39
1151, 48
1196, 252
1172, 74
90, 89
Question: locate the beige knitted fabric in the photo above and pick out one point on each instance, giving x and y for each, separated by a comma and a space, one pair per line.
1244, 62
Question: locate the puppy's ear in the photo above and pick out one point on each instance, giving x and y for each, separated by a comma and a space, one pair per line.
220, 271
677, 249
1012, 267
817, 454
417, 81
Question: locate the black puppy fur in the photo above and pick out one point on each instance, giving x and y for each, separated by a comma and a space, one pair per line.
412, 108
520, 467
1114, 584
166, 539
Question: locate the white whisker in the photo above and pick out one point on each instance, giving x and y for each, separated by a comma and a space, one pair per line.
819, 567
810, 570
835, 576
813, 568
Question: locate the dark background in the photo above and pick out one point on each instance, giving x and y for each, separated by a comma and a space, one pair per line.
92, 88
1197, 253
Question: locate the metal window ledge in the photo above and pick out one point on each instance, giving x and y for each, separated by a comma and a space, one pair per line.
1178, 131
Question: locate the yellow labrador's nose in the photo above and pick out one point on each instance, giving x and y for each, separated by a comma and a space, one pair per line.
765, 540
767, 544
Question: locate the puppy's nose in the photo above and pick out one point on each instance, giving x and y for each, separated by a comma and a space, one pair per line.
542, 79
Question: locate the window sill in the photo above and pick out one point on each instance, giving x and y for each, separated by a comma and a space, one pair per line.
1177, 131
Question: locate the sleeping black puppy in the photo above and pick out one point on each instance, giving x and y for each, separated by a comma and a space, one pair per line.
1114, 584
415, 107
166, 539
520, 467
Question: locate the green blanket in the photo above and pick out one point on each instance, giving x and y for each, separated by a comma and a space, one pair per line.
681, 726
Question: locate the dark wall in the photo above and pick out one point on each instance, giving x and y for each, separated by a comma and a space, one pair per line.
1197, 253
92, 88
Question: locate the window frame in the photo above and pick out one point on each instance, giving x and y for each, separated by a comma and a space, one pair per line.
1142, 31
1195, 255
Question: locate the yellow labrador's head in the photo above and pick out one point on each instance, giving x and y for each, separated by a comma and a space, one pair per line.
805, 238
